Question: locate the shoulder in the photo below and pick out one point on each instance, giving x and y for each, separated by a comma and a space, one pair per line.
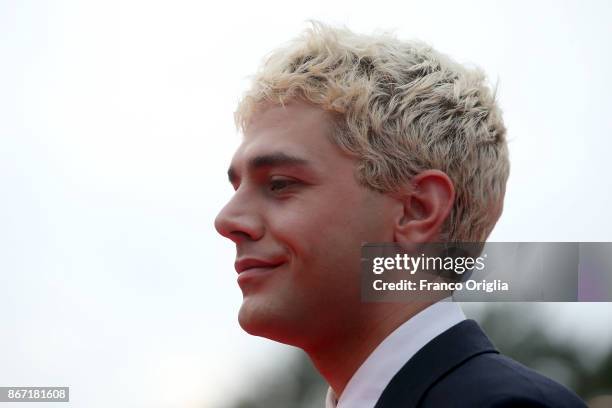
494, 380
461, 368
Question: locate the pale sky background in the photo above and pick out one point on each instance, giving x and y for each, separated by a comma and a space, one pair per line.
116, 131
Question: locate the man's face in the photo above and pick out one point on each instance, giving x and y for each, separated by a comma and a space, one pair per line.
298, 219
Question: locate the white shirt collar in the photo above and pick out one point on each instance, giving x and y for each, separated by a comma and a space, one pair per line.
369, 381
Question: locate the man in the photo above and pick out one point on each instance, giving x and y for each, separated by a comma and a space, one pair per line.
352, 139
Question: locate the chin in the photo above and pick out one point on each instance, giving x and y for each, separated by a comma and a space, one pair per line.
264, 321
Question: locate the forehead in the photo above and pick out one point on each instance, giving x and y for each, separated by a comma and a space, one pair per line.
297, 129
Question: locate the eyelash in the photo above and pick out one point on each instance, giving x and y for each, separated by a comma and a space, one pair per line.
280, 184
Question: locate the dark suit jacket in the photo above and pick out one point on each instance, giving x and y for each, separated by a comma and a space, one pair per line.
461, 368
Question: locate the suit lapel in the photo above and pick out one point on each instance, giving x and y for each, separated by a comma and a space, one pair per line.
440, 356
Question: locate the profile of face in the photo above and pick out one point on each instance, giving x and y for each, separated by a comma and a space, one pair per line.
298, 218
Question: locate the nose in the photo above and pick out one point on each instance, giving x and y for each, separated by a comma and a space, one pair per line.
239, 220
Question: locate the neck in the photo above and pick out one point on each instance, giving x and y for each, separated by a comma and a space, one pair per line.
344, 349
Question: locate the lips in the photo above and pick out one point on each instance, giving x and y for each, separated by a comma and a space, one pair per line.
244, 264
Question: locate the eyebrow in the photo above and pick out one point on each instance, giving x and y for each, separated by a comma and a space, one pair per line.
268, 160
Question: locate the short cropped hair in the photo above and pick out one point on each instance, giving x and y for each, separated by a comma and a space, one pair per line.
400, 108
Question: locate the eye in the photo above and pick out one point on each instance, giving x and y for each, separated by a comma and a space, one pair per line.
279, 184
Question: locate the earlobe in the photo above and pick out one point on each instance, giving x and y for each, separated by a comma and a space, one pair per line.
427, 204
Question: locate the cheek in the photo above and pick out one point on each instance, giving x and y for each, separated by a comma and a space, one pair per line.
303, 219
297, 232
327, 240
315, 236
330, 230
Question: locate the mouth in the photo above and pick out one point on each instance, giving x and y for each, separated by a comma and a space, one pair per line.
253, 269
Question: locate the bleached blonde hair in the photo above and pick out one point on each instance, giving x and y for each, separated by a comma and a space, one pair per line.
401, 108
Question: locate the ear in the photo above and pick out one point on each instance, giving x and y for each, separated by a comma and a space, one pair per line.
426, 204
